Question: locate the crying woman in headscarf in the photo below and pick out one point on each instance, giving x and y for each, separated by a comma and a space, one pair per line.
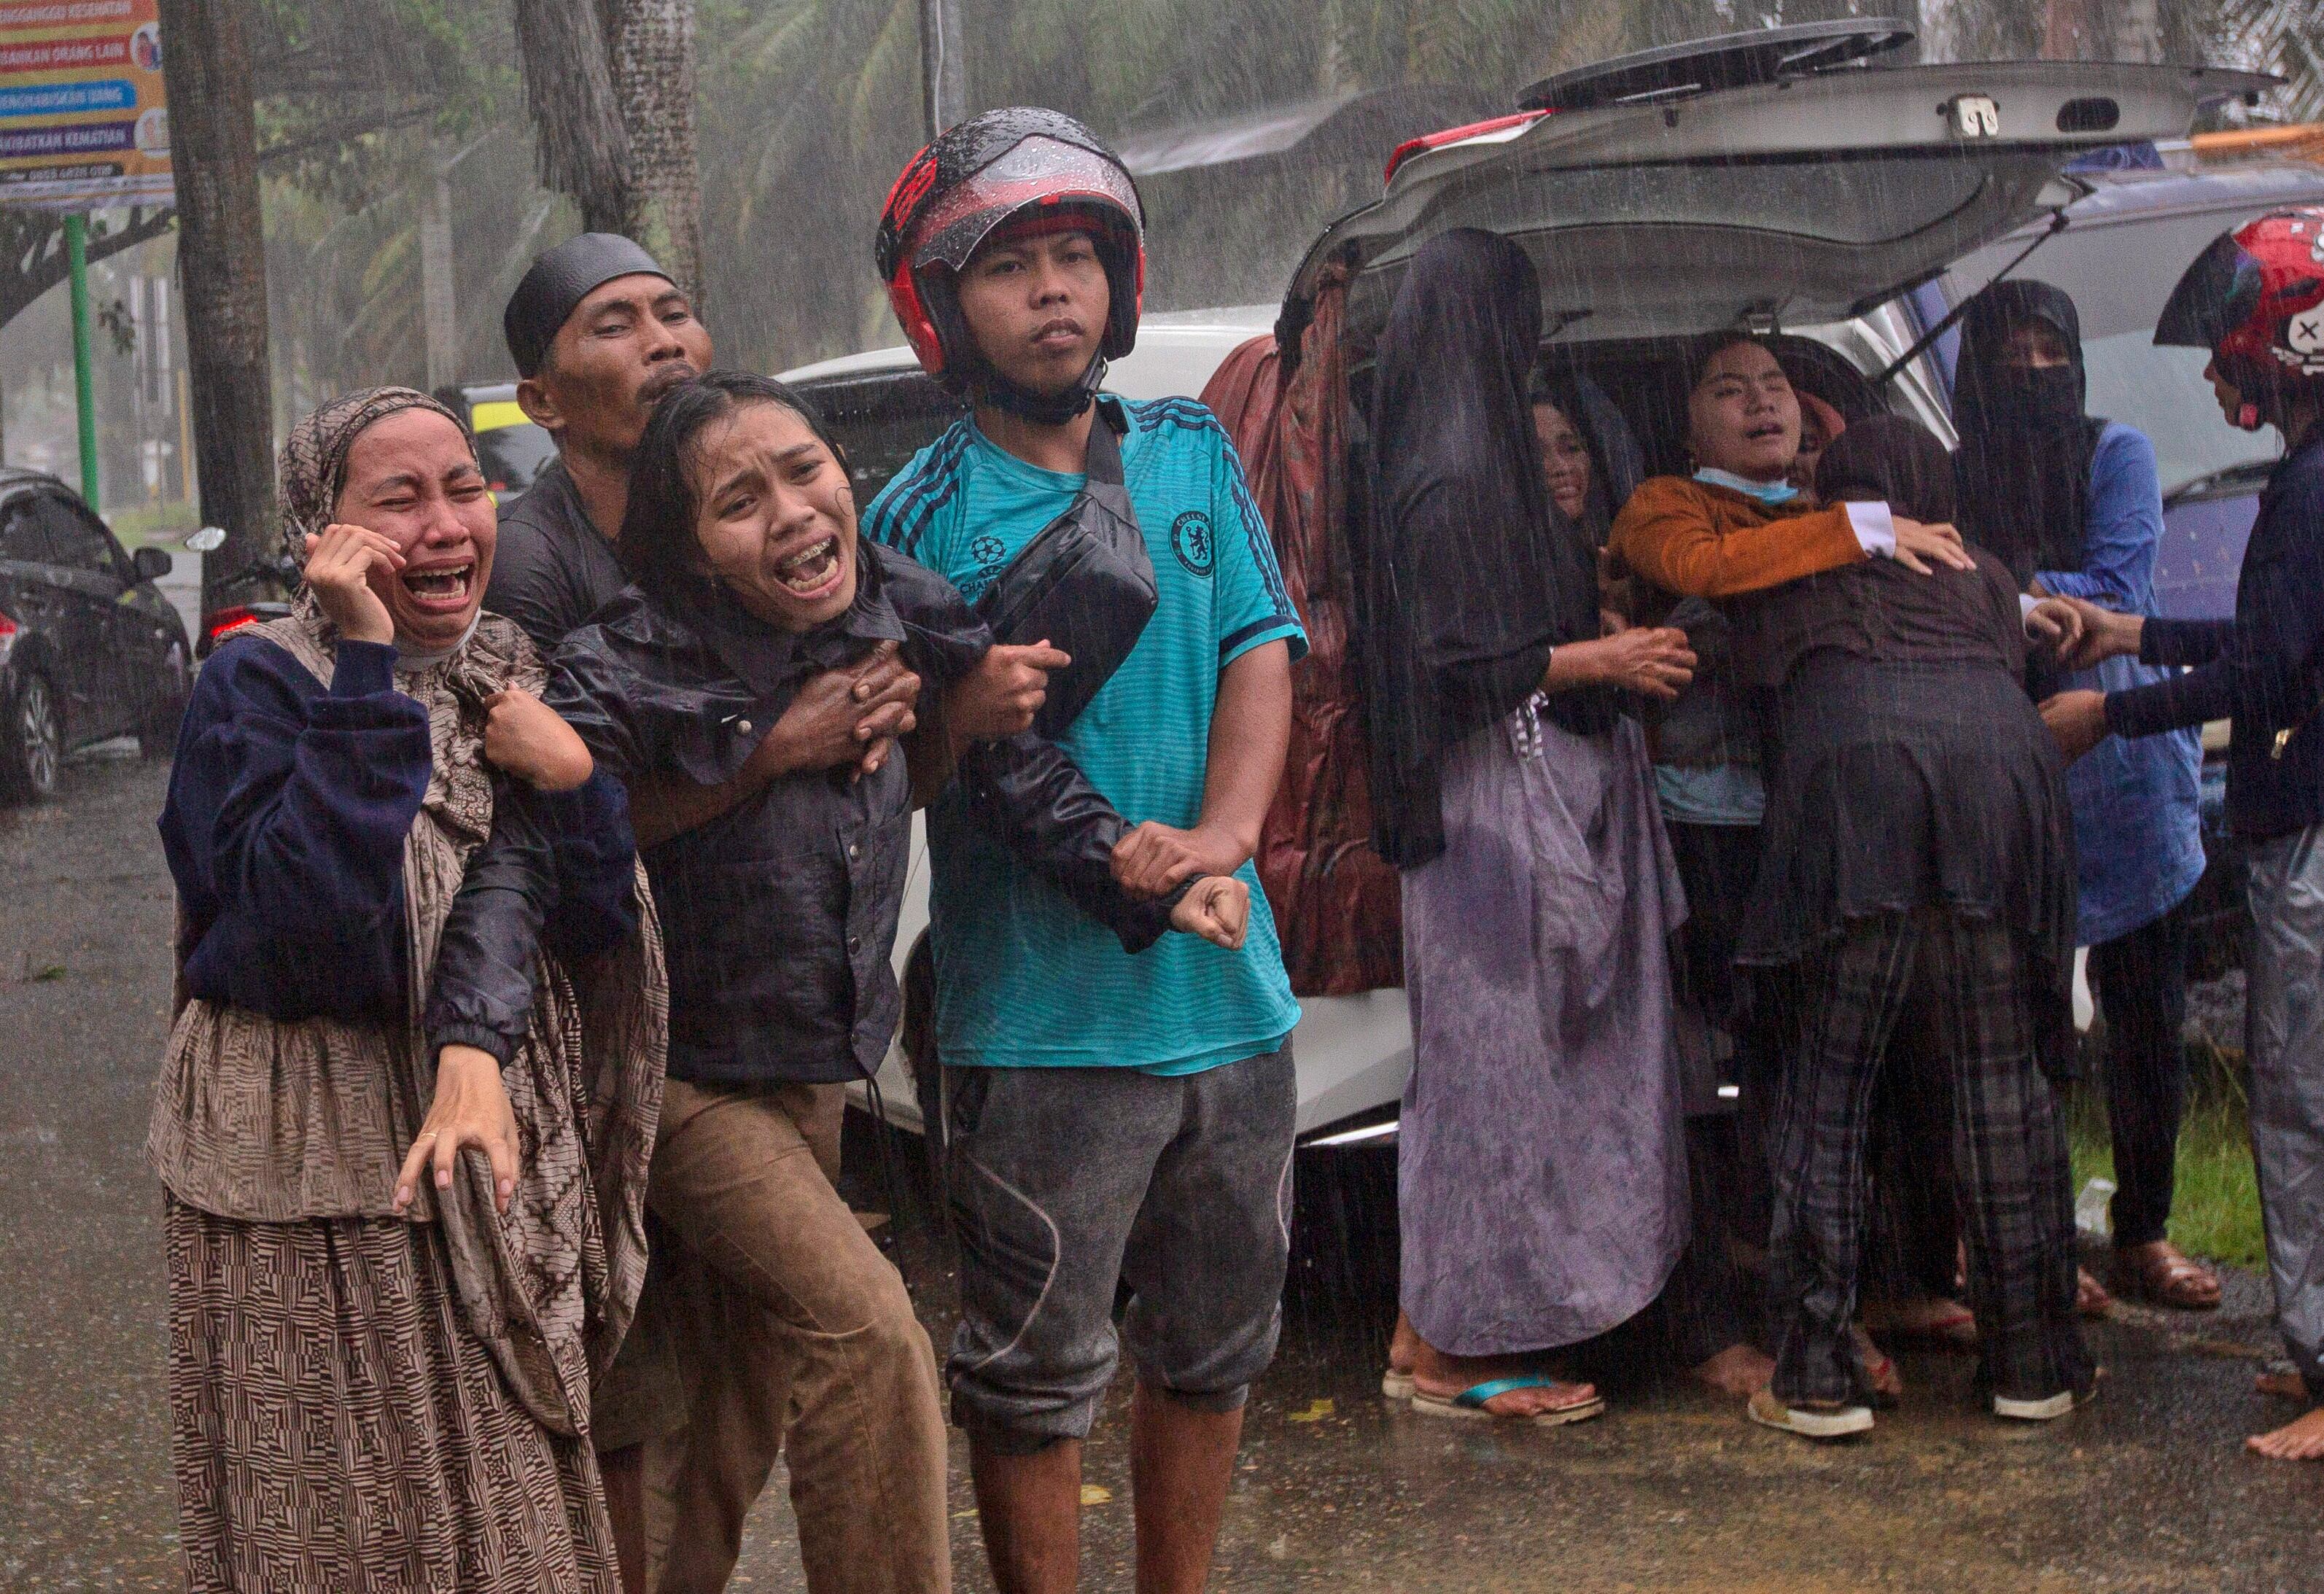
410, 1089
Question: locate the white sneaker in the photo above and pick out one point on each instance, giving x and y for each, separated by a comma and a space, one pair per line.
1768, 1410
2048, 1410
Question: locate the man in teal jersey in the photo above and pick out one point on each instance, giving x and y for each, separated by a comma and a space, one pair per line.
1110, 1118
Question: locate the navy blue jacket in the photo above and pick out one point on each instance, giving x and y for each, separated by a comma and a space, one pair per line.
2260, 669
284, 829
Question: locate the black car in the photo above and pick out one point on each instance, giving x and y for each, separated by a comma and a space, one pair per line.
89, 649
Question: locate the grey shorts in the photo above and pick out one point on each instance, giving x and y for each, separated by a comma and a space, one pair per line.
1064, 1182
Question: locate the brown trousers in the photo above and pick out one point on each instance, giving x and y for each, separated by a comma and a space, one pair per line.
807, 1340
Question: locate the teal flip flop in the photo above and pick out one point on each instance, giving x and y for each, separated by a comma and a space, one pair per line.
1470, 1404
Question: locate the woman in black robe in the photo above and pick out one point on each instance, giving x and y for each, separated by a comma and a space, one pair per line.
1540, 1168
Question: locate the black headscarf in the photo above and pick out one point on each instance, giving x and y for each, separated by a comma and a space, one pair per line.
2023, 468
1892, 460
1465, 574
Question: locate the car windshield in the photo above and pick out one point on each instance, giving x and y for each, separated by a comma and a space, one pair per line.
512, 456
2119, 276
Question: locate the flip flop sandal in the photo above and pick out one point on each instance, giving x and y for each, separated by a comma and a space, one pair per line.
1879, 1367
1470, 1404
1820, 1423
1955, 1331
1395, 1386
2158, 1281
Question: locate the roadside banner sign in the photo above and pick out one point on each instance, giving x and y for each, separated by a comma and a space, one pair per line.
83, 121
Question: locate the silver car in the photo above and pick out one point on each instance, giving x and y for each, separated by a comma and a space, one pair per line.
1804, 199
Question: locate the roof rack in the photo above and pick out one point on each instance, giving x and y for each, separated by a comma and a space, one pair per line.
1731, 60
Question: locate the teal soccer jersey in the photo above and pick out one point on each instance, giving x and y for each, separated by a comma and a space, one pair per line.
1024, 979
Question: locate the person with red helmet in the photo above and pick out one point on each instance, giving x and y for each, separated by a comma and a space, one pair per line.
1109, 1119
2256, 299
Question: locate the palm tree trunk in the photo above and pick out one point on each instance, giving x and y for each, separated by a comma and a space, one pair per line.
577, 129
440, 314
652, 52
222, 276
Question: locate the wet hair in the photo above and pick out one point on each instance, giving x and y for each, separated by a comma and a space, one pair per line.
1712, 345
657, 542
1542, 388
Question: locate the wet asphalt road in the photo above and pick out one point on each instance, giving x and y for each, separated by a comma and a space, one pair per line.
2144, 1491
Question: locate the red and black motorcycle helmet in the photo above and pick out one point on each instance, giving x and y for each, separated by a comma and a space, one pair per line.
988, 172
2256, 299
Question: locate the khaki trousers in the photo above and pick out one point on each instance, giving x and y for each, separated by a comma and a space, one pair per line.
808, 1340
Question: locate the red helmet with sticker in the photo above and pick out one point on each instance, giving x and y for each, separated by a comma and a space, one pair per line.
987, 172
2256, 299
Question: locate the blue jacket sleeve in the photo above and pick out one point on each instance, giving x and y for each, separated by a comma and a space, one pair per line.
289, 810
2124, 528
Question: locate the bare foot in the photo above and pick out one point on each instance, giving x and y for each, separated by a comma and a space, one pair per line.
1404, 1346
2166, 1275
1442, 1377
2283, 1386
1739, 1369
2300, 1439
2090, 1297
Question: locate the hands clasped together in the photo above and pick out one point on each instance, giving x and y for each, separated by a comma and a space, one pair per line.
2082, 636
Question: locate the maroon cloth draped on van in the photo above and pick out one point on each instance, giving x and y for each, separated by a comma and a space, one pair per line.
1336, 902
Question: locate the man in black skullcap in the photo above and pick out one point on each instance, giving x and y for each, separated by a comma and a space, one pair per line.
599, 333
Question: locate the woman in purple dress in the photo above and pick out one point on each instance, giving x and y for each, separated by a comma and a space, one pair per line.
1541, 1168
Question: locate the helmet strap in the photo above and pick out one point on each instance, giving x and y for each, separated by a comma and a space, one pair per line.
986, 385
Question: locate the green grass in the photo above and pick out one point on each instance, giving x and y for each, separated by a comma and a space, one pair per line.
2215, 1205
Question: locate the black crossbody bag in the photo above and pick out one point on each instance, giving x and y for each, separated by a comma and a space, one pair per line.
1085, 582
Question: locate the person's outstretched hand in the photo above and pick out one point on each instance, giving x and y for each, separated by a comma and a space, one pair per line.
1000, 695
339, 564
1217, 907
527, 738
471, 1110
1652, 660
2076, 720
1918, 542
2105, 634
2056, 625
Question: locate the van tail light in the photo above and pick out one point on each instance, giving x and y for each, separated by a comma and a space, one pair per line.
221, 623
1453, 136
8, 637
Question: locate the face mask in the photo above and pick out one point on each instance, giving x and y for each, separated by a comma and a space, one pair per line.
1770, 494
2049, 395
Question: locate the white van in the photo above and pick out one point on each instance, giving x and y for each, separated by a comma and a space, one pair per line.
1778, 180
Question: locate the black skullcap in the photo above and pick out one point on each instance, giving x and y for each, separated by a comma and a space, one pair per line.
558, 283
